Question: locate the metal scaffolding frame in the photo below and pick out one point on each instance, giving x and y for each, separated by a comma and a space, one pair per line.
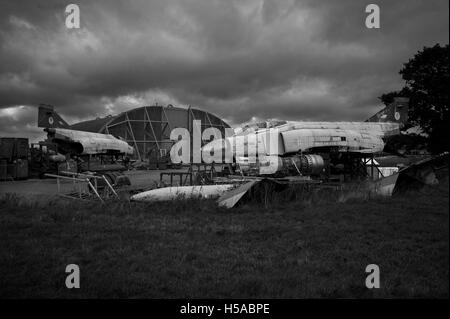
148, 128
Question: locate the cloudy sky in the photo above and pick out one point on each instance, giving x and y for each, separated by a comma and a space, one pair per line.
286, 59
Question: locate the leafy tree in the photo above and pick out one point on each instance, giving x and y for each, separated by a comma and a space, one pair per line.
427, 78
388, 98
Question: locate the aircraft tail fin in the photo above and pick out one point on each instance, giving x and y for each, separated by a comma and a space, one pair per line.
47, 117
396, 112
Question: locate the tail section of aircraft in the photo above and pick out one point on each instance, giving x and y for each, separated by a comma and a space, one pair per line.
47, 117
396, 112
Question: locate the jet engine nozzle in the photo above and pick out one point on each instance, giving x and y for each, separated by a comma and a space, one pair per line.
307, 164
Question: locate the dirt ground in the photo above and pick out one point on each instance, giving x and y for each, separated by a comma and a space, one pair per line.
140, 179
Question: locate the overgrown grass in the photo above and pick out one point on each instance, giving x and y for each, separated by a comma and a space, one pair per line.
295, 248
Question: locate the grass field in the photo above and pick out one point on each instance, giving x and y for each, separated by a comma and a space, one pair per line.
193, 249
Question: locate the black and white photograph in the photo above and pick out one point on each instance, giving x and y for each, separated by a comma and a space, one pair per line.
224, 154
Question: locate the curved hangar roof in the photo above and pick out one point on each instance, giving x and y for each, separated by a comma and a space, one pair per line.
94, 126
148, 128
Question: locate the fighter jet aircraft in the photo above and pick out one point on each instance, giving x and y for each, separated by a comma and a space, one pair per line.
311, 148
78, 142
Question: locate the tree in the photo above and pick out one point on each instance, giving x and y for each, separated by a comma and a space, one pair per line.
426, 78
388, 98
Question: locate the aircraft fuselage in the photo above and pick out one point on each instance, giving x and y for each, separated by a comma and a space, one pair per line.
87, 143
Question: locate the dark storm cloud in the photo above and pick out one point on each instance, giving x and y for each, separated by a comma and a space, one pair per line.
238, 59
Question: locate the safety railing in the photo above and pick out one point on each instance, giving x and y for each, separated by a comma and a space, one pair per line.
75, 180
79, 179
95, 179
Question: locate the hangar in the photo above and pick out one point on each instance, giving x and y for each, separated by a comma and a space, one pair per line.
148, 128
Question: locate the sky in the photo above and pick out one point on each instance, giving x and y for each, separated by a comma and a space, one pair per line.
240, 60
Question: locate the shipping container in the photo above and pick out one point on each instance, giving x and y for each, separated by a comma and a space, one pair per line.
7, 148
11, 171
21, 150
21, 169
12, 148
3, 170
